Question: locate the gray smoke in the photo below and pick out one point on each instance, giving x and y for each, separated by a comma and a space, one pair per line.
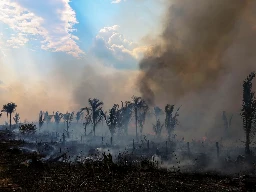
204, 53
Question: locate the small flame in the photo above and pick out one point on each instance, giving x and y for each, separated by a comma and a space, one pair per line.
204, 138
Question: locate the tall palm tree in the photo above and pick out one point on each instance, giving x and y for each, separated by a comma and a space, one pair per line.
41, 119
248, 112
57, 117
9, 108
170, 120
157, 128
138, 103
96, 112
47, 118
68, 117
87, 118
143, 110
78, 115
124, 115
112, 119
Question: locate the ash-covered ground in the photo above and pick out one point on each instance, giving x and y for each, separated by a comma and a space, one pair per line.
47, 161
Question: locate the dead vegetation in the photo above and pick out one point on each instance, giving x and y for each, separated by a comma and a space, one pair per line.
18, 174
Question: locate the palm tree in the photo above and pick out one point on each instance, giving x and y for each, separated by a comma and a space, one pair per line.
112, 119
248, 113
47, 118
142, 115
124, 116
57, 117
68, 117
157, 128
170, 119
96, 112
79, 115
9, 108
41, 119
16, 118
87, 118
138, 103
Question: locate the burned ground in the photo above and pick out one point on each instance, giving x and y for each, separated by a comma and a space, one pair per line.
102, 175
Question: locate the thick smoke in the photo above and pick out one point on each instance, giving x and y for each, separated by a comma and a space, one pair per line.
204, 53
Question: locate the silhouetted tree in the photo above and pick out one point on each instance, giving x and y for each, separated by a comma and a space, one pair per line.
157, 128
87, 118
79, 115
96, 112
57, 117
112, 119
227, 123
16, 118
47, 118
138, 103
125, 115
249, 112
157, 112
9, 108
68, 117
170, 120
41, 119
142, 115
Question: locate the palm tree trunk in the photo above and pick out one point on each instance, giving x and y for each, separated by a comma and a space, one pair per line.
10, 121
67, 130
94, 129
111, 139
136, 122
247, 143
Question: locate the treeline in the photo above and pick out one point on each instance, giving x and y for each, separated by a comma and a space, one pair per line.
119, 116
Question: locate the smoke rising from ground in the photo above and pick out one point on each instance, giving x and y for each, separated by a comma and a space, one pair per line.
204, 53
67, 87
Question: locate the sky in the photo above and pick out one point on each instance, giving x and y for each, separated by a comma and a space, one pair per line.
56, 54
47, 47
107, 30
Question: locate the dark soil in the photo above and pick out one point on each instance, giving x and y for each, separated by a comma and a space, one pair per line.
15, 175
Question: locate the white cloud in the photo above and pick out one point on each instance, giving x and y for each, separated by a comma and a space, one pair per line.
27, 25
116, 1
16, 41
117, 43
113, 47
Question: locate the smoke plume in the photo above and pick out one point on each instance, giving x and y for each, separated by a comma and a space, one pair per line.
204, 53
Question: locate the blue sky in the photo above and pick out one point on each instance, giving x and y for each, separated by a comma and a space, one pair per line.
33, 34
50, 50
